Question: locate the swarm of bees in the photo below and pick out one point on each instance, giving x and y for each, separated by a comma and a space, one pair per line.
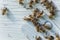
37, 14
50, 7
34, 19
4, 11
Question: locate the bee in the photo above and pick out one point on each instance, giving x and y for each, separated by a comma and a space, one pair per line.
43, 29
36, 10
28, 19
21, 2
31, 4
4, 11
37, 13
40, 14
50, 38
40, 28
51, 16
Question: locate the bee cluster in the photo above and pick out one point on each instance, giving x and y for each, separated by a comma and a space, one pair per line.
37, 14
49, 6
34, 18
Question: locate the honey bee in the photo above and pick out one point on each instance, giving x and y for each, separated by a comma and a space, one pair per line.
43, 29
40, 14
34, 19
52, 14
40, 28
37, 13
36, 10
50, 38
31, 4
4, 11
28, 19
21, 1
